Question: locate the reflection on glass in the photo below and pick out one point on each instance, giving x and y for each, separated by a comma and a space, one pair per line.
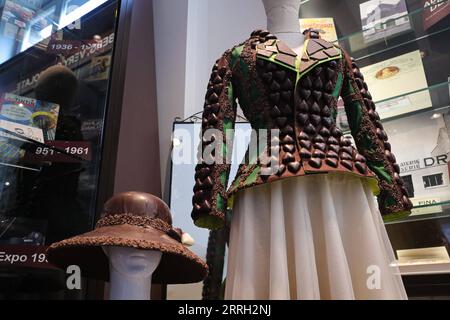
54, 83
24, 23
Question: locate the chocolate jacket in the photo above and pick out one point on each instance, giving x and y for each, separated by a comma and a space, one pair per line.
298, 95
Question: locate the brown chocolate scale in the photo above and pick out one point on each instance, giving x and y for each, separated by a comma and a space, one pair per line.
315, 109
332, 154
317, 95
217, 80
213, 98
282, 121
275, 86
333, 141
287, 85
315, 163
347, 164
347, 150
284, 58
286, 95
280, 75
360, 158
361, 167
318, 139
306, 83
320, 146
303, 136
315, 120
289, 148
387, 146
318, 154
334, 148
336, 132
318, 84
331, 74
305, 93
310, 129
275, 112
288, 157
396, 168
294, 167
287, 140
274, 97
326, 111
328, 99
281, 170
324, 132
346, 156
303, 107
327, 122
267, 77
287, 130
332, 162
303, 118
306, 144
286, 109
305, 153
271, 67
345, 142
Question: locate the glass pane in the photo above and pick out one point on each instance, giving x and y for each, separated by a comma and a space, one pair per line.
186, 139
54, 77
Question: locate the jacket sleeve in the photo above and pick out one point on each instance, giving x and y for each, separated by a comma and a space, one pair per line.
372, 142
213, 168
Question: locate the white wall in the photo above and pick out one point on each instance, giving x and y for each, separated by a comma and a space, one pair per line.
190, 35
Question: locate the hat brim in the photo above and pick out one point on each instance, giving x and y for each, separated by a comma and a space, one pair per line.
178, 264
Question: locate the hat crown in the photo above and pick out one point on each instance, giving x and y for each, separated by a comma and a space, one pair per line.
137, 204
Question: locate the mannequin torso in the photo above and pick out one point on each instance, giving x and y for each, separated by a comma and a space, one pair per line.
282, 21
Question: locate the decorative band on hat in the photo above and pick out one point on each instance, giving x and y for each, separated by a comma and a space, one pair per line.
141, 221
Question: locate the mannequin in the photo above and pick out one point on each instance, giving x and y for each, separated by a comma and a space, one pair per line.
131, 272
282, 21
312, 230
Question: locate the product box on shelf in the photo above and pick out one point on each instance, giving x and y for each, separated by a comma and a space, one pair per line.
28, 115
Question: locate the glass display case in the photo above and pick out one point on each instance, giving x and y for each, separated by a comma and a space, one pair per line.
55, 75
403, 50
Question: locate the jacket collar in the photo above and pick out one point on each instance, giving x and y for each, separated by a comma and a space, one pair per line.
315, 52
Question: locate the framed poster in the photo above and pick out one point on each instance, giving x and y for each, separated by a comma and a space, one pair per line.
398, 85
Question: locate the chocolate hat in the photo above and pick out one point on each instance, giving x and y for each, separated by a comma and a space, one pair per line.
135, 220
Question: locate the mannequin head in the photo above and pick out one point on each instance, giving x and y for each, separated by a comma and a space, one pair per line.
282, 15
130, 262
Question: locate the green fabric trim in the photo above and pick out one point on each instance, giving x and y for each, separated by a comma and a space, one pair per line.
396, 216
224, 178
236, 54
228, 124
221, 203
354, 115
253, 176
379, 169
339, 83
244, 68
210, 222
230, 92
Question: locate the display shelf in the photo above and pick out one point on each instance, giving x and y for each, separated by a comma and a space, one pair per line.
360, 48
436, 210
436, 101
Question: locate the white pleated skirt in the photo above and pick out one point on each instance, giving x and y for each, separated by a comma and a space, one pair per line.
309, 238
